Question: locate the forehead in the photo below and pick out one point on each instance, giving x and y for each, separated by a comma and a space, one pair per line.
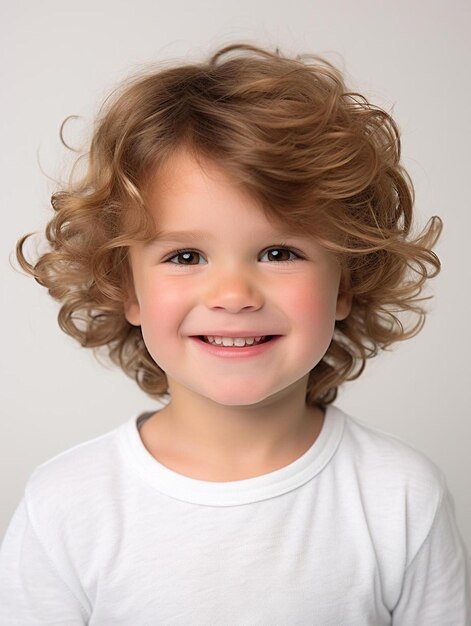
192, 182
190, 198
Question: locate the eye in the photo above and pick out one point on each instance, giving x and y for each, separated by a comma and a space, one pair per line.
182, 253
187, 254
285, 250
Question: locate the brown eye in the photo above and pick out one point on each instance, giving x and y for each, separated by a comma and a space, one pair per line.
186, 255
278, 254
285, 252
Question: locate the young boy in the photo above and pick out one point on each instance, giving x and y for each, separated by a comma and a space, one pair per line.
237, 242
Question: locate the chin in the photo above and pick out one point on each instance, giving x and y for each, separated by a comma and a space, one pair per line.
234, 396
237, 398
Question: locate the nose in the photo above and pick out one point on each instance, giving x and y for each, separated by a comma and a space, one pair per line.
233, 291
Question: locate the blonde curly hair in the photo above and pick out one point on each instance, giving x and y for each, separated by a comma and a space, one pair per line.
318, 158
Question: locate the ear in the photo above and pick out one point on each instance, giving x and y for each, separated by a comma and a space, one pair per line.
132, 310
344, 298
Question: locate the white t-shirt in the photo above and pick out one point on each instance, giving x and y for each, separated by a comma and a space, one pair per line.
358, 531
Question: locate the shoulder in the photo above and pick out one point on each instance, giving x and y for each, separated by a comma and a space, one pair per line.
400, 498
78, 476
400, 489
389, 458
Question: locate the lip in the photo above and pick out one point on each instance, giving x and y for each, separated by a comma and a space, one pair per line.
236, 353
232, 333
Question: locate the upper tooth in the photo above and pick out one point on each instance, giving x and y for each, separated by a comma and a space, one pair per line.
230, 341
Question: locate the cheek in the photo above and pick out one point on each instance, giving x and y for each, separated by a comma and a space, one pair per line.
312, 304
162, 311
311, 310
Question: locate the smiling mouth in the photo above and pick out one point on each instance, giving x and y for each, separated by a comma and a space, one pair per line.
264, 340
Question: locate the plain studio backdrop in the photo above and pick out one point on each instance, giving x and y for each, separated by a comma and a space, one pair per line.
62, 58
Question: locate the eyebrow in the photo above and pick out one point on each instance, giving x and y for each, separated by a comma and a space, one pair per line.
197, 235
180, 235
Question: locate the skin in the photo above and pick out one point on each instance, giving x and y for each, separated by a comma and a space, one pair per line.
230, 419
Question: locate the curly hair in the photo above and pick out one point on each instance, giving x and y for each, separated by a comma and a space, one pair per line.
319, 159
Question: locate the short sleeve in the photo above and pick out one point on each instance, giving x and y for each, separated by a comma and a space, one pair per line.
32, 593
436, 587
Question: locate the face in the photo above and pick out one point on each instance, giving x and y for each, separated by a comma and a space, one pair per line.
235, 276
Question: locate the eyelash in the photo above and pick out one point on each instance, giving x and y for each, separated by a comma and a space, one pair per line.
176, 253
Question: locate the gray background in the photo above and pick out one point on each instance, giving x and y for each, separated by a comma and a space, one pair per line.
61, 58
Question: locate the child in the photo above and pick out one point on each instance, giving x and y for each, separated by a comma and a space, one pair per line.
239, 243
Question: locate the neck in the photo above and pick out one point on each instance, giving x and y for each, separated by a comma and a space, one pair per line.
238, 439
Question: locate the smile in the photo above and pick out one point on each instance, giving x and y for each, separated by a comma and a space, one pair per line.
234, 351
234, 341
